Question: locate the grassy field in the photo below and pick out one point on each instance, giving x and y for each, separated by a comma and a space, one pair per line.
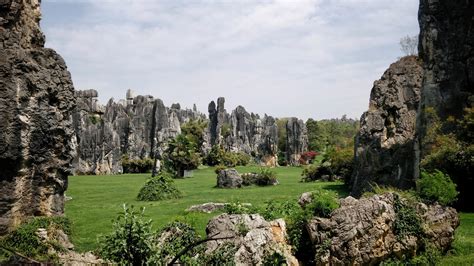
96, 200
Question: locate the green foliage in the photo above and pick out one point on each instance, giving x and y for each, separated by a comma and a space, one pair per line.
410, 195
333, 133
336, 163
217, 156
182, 235
265, 177
282, 158
222, 256
242, 229
407, 222
238, 208
25, 241
136, 166
159, 188
131, 239
181, 155
436, 187
323, 203
429, 256
225, 130
94, 119
274, 259
274, 210
194, 130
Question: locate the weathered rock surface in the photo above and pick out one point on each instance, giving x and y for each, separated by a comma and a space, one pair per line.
296, 140
36, 103
384, 149
254, 237
138, 127
229, 178
361, 232
210, 207
242, 131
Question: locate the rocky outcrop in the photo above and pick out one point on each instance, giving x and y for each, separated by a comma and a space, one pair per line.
137, 127
385, 142
446, 48
254, 238
296, 140
362, 232
229, 178
36, 103
242, 131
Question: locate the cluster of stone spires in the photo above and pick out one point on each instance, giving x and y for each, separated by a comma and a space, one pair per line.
140, 127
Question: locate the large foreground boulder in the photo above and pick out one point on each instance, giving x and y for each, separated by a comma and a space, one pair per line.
36, 103
254, 238
364, 232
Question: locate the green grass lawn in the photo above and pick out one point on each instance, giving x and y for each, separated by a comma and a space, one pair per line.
96, 200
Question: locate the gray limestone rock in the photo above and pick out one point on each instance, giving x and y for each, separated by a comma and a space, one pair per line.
361, 232
36, 133
253, 237
384, 149
296, 140
229, 178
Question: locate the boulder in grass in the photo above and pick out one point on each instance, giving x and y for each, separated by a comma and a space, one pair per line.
229, 178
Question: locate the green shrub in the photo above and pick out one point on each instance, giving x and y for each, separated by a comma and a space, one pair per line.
436, 187
215, 156
243, 159
176, 236
223, 255
239, 208
323, 203
25, 241
159, 188
137, 166
274, 258
130, 241
266, 177
274, 210
407, 222
315, 172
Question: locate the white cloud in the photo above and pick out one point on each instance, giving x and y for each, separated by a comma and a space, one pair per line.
305, 58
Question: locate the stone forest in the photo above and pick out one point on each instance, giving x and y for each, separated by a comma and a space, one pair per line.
135, 182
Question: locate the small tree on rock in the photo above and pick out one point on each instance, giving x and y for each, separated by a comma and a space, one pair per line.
409, 45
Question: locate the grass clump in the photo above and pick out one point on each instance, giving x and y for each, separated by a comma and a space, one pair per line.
24, 240
323, 203
159, 188
437, 187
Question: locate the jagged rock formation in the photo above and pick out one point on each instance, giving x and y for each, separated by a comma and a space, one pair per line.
385, 142
36, 103
243, 132
361, 232
229, 178
138, 128
446, 49
296, 140
254, 238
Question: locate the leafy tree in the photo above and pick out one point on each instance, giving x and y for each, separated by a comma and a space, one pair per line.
436, 187
181, 155
194, 130
332, 133
159, 188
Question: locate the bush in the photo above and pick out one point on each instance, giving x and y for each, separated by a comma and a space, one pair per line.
274, 210
436, 187
316, 172
223, 255
159, 188
217, 156
322, 204
130, 241
265, 177
239, 208
407, 222
25, 241
136, 166
172, 239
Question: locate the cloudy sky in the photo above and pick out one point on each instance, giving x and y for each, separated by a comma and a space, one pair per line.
304, 58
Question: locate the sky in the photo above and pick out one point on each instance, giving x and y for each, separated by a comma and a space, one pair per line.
305, 58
